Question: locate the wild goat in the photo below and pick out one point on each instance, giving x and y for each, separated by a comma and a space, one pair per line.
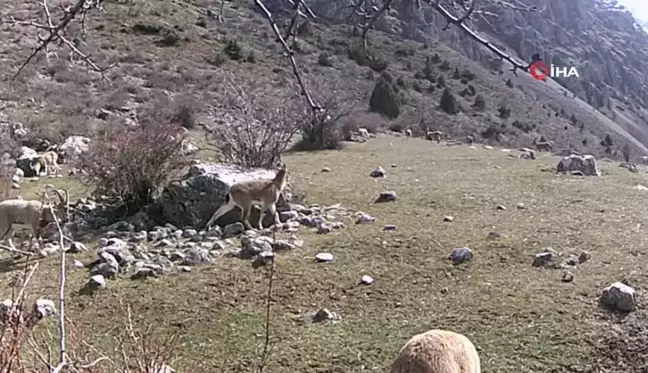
33, 213
434, 136
437, 351
46, 162
363, 132
408, 132
470, 140
245, 194
542, 145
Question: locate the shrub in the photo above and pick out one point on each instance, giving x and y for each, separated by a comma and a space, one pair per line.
325, 59
257, 128
385, 98
134, 164
448, 102
233, 50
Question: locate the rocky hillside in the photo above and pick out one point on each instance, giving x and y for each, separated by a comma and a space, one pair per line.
178, 55
601, 39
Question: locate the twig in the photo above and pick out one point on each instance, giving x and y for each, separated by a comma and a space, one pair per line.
265, 354
56, 33
315, 108
62, 352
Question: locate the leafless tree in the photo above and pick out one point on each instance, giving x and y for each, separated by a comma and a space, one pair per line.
255, 127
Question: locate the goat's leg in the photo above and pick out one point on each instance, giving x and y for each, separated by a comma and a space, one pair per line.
261, 213
226, 207
246, 216
272, 209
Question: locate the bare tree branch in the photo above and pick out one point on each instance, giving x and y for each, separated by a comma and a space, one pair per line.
56, 32
315, 108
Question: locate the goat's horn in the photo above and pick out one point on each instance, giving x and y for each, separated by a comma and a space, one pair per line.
60, 196
67, 196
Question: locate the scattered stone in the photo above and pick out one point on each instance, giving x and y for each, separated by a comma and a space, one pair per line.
78, 264
388, 196
233, 230
494, 235
619, 296
583, 257
43, 308
96, 282
500, 207
77, 247
262, 259
365, 218
326, 169
520, 206
184, 269
544, 258
324, 315
567, 276
367, 280
448, 218
389, 227
460, 255
324, 257
378, 172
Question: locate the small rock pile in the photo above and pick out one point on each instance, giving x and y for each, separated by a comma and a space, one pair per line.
125, 252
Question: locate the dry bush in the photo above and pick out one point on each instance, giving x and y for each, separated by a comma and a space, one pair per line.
326, 130
257, 127
134, 164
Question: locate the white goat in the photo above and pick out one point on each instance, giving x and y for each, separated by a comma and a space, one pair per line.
46, 162
408, 132
32, 213
470, 140
245, 194
437, 351
363, 132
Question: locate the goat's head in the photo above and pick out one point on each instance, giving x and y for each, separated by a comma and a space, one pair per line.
62, 208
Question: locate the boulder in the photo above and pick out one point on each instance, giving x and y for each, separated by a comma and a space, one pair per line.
73, 147
193, 200
27, 157
585, 164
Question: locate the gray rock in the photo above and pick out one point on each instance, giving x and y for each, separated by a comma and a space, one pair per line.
96, 282
233, 230
460, 255
253, 246
378, 172
586, 165
192, 201
388, 196
196, 256
77, 247
619, 296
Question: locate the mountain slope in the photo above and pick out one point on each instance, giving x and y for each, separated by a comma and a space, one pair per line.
174, 52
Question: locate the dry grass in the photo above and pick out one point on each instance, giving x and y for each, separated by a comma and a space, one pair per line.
521, 318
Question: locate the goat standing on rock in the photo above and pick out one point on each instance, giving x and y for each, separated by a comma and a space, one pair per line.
437, 351
33, 213
245, 194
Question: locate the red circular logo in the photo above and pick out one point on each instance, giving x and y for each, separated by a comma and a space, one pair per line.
539, 70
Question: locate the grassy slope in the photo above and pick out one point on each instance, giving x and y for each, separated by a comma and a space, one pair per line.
522, 318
